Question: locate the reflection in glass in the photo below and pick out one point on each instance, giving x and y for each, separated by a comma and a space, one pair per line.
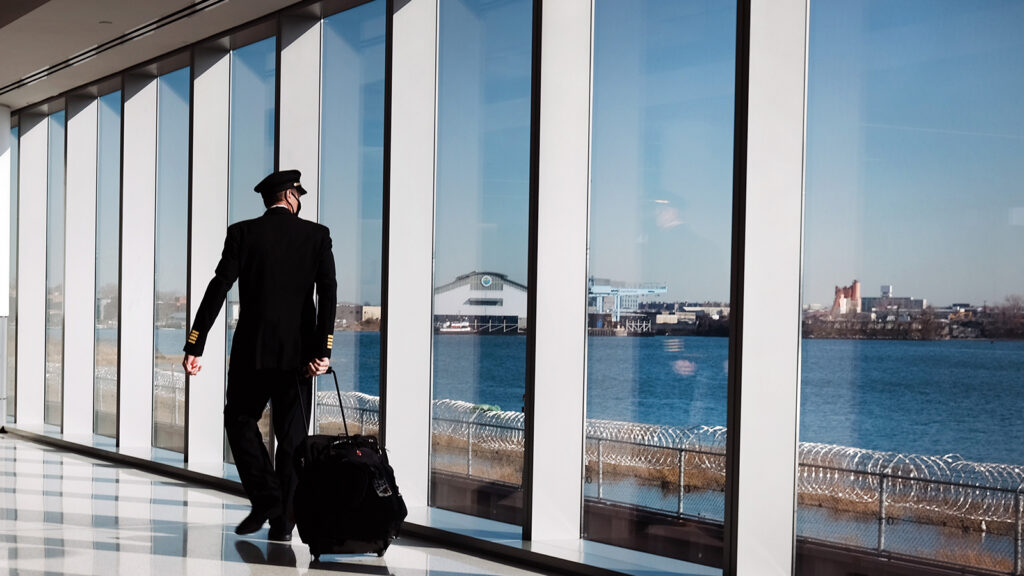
53, 381
251, 157
660, 237
481, 242
169, 314
12, 319
912, 376
351, 203
108, 237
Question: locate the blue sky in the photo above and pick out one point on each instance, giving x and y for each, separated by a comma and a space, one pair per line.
55, 201
483, 139
172, 181
914, 129
661, 157
352, 147
108, 194
915, 138
662, 142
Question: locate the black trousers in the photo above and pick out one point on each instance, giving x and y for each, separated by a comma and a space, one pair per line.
269, 488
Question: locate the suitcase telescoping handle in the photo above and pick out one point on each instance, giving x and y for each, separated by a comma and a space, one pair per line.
341, 405
337, 389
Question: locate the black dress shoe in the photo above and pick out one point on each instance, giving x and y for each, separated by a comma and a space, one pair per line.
279, 534
254, 521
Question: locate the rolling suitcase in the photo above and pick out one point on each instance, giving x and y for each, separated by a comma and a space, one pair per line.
346, 501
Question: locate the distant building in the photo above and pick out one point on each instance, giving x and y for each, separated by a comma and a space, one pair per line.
847, 300
889, 302
371, 313
481, 297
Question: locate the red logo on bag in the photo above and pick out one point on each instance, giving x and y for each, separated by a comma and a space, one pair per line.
359, 453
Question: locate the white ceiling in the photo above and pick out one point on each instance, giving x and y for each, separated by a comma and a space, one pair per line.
37, 34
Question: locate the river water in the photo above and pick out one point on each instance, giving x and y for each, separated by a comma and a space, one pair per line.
935, 398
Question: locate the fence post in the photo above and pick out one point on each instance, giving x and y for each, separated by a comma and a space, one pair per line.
1017, 513
469, 446
362, 421
882, 485
682, 470
600, 471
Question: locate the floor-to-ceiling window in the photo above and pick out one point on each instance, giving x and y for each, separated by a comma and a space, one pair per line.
54, 349
912, 373
171, 286
251, 155
481, 225
659, 275
12, 318
108, 238
351, 203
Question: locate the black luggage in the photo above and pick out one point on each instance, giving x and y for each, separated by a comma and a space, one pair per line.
347, 501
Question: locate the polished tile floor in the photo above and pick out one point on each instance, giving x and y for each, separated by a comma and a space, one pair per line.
61, 513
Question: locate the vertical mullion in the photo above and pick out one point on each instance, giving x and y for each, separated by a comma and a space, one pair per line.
32, 159
410, 245
135, 401
763, 429
556, 407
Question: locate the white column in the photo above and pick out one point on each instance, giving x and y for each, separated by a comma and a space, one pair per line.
410, 254
560, 323
770, 374
211, 80
138, 213
80, 265
299, 107
5, 250
32, 176
5, 209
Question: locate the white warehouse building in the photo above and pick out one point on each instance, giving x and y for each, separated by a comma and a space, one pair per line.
479, 296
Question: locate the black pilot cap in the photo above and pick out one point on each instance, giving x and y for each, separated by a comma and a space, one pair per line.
281, 180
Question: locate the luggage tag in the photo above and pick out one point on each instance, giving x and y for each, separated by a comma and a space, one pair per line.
380, 485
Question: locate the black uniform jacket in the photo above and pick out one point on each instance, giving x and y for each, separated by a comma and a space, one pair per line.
277, 258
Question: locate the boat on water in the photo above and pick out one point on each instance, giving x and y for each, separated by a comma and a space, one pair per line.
456, 328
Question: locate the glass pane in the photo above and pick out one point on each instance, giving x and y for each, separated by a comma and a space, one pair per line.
108, 237
53, 382
480, 243
12, 319
351, 203
251, 157
171, 259
913, 353
660, 241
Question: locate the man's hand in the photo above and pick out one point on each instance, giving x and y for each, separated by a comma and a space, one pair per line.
317, 367
191, 364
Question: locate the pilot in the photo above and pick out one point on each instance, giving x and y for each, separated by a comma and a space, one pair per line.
282, 341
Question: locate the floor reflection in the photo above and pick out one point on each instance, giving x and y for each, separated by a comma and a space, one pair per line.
61, 513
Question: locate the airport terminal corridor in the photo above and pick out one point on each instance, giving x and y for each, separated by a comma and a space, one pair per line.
61, 513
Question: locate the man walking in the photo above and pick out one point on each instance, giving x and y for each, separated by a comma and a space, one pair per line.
281, 342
